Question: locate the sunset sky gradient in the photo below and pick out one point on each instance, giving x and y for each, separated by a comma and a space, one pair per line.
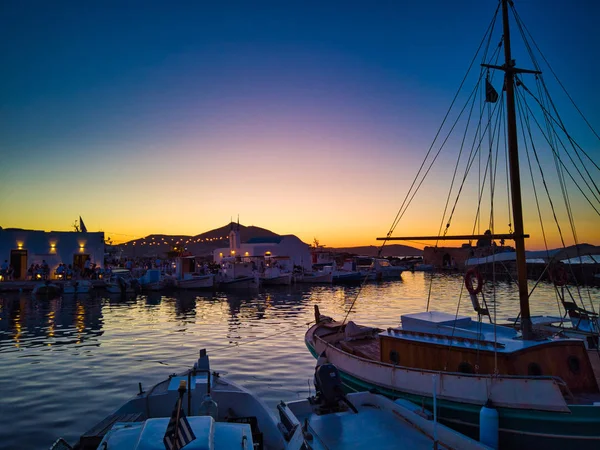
306, 118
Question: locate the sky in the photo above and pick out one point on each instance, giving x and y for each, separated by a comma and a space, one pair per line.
305, 118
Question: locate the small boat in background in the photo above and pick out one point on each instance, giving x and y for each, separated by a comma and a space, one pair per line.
275, 270
77, 287
152, 280
196, 281
423, 267
324, 275
375, 269
191, 274
47, 289
121, 281
237, 274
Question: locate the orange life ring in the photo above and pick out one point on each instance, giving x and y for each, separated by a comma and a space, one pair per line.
559, 275
469, 275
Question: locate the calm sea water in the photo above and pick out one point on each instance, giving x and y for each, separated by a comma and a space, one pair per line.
69, 362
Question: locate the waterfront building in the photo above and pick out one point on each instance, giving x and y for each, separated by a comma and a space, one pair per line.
270, 246
22, 248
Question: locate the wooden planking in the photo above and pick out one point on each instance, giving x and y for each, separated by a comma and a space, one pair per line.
551, 357
595, 361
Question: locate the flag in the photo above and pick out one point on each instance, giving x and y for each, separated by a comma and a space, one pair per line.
491, 96
179, 432
82, 226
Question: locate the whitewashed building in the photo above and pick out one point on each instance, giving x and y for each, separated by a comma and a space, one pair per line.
21, 248
273, 246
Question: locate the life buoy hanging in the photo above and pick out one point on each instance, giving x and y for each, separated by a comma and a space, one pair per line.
559, 275
469, 275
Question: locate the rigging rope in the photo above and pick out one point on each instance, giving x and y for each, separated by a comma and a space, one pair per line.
524, 30
408, 199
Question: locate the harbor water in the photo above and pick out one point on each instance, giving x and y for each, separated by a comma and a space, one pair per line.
69, 362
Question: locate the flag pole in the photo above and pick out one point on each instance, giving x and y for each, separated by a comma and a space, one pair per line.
181, 390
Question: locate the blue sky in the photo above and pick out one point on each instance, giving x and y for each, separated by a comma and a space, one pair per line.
172, 117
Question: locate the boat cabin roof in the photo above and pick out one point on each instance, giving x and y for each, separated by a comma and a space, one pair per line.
459, 331
209, 434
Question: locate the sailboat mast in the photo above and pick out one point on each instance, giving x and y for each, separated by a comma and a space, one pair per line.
515, 179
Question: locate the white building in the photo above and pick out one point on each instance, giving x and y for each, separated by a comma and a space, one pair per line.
22, 248
287, 245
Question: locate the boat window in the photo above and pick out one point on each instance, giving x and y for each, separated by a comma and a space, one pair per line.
465, 367
534, 369
574, 364
394, 356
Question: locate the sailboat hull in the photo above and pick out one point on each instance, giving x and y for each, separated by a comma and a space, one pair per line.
557, 426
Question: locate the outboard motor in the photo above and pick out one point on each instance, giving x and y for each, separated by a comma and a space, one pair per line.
329, 387
135, 284
122, 285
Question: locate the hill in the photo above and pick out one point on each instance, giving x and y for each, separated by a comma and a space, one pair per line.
200, 244
204, 244
388, 250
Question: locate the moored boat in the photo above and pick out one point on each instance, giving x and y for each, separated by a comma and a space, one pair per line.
542, 385
77, 287
196, 281
152, 280
319, 276
237, 274
47, 289
399, 363
120, 281
200, 409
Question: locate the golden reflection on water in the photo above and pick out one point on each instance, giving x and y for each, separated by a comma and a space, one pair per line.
18, 330
79, 320
255, 337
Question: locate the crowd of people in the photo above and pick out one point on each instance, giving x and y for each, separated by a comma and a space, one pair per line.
93, 271
6, 270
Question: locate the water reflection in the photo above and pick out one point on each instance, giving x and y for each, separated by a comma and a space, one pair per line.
93, 350
25, 322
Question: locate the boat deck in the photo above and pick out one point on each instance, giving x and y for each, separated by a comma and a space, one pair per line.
348, 430
364, 348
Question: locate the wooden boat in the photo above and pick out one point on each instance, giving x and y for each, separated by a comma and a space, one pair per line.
543, 385
196, 281
122, 282
237, 274
214, 412
47, 289
375, 269
318, 276
77, 287
152, 280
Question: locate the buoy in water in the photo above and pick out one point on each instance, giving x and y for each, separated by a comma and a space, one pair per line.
488, 425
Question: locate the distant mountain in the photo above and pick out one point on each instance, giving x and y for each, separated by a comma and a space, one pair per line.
200, 244
388, 250
205, 243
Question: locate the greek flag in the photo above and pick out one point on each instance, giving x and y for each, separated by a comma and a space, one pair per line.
179, 433
491, 96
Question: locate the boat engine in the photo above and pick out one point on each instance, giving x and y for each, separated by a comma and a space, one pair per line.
329, 388
122, 285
